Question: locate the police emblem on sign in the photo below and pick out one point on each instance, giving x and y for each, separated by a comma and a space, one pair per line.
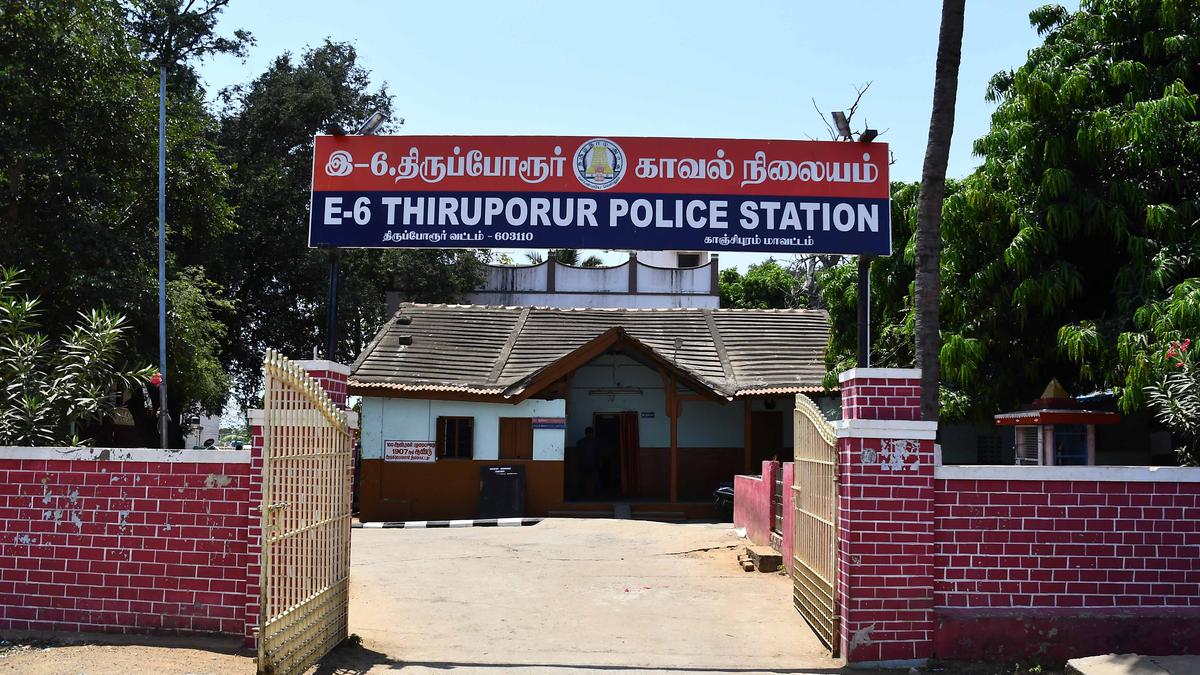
599, 164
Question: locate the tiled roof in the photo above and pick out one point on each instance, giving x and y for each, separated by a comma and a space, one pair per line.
489, 350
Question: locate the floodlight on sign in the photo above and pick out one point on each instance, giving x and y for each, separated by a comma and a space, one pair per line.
842, 124
372, 124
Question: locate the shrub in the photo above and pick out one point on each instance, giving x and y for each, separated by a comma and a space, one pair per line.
50, 387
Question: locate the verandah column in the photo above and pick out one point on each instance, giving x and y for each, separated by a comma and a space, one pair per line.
885, 517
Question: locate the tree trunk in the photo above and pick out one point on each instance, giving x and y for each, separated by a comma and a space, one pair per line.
929, 210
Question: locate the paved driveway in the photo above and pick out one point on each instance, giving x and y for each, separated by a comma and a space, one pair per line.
570, 596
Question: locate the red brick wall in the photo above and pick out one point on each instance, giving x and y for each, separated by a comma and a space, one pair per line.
890, 396
331, 376
123, 546
1067, 544
885, 518
1063, 568
885, 562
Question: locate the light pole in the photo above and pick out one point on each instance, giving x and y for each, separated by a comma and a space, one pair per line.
367, 128
163, 415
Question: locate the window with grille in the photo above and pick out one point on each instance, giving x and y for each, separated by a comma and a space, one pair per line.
688, 259
455, 437
1029, 445
1070, 445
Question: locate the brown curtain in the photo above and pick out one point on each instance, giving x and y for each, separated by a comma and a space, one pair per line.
630, 447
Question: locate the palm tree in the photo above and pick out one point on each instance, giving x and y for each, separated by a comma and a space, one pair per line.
567, 256
929, 209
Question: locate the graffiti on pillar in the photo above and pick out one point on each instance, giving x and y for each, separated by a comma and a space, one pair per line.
895, 455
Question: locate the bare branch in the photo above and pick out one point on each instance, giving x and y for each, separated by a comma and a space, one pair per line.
860, 91
832, 134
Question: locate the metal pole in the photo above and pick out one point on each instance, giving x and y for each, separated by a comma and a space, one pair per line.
335, 257
864, 311
162, 253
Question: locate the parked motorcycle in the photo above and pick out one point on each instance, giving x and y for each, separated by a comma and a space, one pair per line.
723, 500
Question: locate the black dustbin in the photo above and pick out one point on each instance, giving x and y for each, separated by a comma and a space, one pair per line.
501, 491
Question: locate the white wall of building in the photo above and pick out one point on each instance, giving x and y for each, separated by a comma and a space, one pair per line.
407, 419
515, 278
708, 424
668, 258
592, 300
209, 427
591, 279
611, 371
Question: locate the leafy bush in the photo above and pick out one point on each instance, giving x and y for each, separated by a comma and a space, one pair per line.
1176, 401
49, 388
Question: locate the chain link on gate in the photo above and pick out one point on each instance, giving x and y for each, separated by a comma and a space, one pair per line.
815, 491
307, 464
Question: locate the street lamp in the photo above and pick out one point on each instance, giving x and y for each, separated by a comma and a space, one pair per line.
162, 251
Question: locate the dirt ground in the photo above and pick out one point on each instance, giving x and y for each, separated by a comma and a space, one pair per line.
572, 596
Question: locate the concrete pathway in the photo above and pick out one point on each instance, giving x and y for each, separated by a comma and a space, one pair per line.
570, 596
1135, 664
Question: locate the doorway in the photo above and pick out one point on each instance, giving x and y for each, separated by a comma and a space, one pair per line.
766, 437
618, 444
608, 451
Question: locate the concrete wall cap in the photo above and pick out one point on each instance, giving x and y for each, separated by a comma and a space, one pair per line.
899, 429
1129, 474
128, 455
880, 373
314, 365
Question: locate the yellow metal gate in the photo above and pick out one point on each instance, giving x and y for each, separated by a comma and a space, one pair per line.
814, 545
307, 460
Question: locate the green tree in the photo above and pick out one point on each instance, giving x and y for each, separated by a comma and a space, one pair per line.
78, 177
565, 256
765, 285
893, 317
1073, 251
175, 33
277, 283
1088, 191
52, 388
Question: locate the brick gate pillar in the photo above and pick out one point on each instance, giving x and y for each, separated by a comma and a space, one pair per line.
885, 518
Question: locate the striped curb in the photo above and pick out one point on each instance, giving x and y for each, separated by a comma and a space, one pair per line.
426, 524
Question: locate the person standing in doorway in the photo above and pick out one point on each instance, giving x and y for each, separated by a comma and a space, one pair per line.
587, 452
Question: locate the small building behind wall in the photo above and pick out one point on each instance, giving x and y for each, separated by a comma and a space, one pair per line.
680, 400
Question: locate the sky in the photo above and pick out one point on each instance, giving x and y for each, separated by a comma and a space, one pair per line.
652, 68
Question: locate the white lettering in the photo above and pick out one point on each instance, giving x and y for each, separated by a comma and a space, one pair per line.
333, 211
846, 223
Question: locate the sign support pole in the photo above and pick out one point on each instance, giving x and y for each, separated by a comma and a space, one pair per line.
335, 259
864, 311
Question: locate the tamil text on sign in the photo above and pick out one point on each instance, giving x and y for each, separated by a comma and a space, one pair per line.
408, 451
